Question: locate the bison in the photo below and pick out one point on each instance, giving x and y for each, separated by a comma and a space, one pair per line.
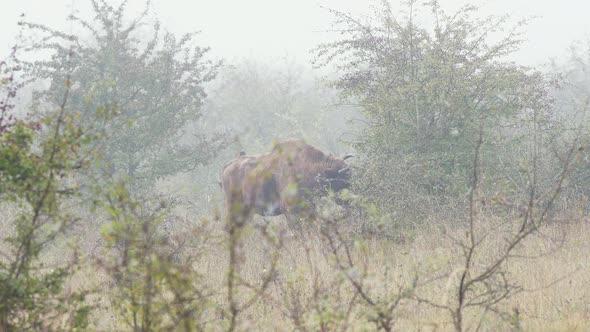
282, 181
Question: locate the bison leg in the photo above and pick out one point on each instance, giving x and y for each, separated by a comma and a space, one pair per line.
237, 209
268, 202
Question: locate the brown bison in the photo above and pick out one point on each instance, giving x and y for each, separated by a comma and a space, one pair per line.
282, 181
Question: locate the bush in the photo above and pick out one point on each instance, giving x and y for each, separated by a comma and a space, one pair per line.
157, 91
426, 93
39, 163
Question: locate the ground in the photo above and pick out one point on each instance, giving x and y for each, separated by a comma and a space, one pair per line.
552, 268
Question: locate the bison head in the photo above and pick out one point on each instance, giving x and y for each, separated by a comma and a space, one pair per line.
337, 177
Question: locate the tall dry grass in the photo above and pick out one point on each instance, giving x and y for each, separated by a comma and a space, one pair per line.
552, 267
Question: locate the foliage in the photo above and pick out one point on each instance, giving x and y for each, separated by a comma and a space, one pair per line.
154, 287
573, 101
378, 309
425, 92
9, 86
484, 284
156, 86
155, 283
242, 294
262, 102
39, 163
433, 99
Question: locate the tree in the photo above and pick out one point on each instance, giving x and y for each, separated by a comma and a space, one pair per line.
426, 92
261, 102
482, 281
572, 104
39, 162
9, 88
155, 284
156, 88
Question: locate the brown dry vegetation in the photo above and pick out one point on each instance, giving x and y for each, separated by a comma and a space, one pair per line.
552, 269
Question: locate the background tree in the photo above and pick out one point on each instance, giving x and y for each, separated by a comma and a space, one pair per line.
425, 92
572, 104
9, 87
156, 86
261, 102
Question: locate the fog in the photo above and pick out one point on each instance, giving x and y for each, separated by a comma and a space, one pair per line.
279, 28
296, 165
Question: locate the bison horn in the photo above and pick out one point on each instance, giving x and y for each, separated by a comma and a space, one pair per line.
347, 156
344, 169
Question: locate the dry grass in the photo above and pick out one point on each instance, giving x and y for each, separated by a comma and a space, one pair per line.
556, 285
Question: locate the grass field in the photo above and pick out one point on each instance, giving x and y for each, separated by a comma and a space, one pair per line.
306, 287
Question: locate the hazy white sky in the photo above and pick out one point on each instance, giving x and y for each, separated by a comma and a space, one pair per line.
274, 28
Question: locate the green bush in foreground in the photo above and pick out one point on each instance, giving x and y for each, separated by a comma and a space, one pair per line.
39, 162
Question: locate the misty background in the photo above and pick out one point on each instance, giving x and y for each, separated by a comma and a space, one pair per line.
465, 202
267, 88
267, 29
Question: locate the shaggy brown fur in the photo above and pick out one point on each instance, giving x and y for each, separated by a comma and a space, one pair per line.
281, 181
